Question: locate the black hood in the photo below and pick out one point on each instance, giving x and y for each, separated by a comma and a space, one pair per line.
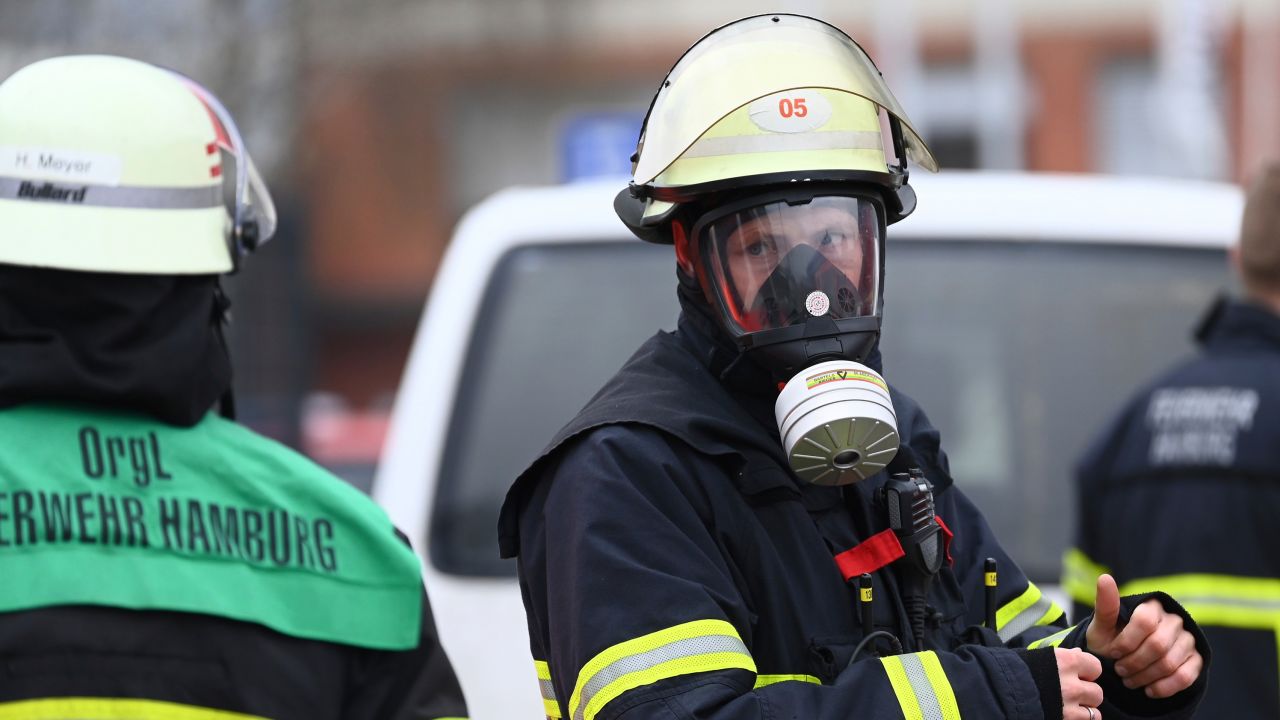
148, 343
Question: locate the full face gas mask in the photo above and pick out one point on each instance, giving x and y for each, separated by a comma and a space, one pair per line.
777, 150
795, 277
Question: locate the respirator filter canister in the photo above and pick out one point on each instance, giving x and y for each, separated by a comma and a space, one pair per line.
837, 423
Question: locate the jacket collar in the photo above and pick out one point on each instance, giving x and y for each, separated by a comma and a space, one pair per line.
1239, 324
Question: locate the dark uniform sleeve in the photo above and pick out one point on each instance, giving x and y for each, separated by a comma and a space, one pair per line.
635, 613
417, 684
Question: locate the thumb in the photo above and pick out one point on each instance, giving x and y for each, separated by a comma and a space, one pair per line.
1106, 611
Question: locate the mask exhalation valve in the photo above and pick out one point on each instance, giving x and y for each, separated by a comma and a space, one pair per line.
837, 423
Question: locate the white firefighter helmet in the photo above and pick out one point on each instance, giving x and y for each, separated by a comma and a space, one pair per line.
769, 100
114, 165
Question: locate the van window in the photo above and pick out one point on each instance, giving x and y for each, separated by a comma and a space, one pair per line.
1018, 352
556, 322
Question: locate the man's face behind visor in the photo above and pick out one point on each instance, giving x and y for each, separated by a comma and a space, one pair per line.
776, 264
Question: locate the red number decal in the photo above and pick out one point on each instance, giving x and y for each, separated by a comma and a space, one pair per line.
792, 108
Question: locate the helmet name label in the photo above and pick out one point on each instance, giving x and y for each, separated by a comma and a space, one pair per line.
47, 164
49, 191
791, 111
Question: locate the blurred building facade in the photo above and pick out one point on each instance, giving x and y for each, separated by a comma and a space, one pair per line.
480, 90
383, 120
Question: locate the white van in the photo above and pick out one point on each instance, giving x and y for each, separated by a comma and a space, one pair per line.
1020, 310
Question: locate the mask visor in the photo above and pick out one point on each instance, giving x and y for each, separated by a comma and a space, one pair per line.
779, 263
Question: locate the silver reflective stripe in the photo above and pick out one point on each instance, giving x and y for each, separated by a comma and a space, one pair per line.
1053, 640
1026, 619
687, 647
778, 142
1229, 602
125, 196
928, 701
548, 690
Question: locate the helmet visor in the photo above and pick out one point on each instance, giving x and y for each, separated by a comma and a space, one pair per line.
250, 203
779, 263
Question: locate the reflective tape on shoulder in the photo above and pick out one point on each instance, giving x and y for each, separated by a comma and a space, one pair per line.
692, 647
122, 196
93, 708
1024, 612
921, 686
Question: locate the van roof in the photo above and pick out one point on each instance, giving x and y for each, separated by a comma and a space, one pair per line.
1002, 206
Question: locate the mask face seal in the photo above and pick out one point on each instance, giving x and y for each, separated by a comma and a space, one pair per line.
796, 278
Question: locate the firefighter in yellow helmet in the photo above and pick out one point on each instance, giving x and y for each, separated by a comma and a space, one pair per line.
748, 521
160, 560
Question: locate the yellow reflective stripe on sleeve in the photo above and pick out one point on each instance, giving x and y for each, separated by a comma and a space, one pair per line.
762, 680
1024, 612
1224, 600
1080, 576
1053, 640
90, 708
902, 687
548, 690
692, 647
921, 685
941, 686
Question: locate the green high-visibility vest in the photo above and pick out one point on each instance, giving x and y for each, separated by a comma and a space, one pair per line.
116, 509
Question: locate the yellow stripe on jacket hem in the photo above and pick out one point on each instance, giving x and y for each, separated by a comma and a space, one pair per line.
94, 708
1224, 600
1080, 575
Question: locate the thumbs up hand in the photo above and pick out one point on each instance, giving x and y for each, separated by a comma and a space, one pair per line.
1152, 651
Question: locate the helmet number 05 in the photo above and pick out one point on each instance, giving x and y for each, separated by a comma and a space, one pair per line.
788, 107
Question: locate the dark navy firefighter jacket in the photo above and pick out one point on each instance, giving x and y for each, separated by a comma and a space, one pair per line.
1181, 494
672, 566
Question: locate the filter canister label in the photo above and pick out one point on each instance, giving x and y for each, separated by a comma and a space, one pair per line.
830, 376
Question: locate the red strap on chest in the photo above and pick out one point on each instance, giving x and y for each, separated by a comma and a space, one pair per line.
870, 555
879, 550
